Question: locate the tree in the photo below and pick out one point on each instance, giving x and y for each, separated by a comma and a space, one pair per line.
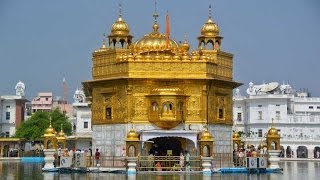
35, 126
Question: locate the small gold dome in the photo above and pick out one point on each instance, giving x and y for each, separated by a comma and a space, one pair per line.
185, 46
61, 134
120, 27
261, 146
132, 135
206, 135
236, 135
210, 28
273, 132
50, 132
155, 41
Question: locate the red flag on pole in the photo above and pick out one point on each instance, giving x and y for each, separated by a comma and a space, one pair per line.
167, 29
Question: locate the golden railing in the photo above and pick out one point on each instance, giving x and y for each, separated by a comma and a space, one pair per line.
106, 161
168, 163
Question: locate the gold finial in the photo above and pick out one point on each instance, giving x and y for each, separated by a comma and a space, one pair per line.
272, 123
155, 14
104, 41
185, 38
120, 10
50, 122
210, 11
61, 127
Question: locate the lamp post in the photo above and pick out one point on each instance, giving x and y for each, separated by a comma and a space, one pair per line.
50, 145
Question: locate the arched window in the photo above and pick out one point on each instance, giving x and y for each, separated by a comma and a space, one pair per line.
132, 150
154, 106
180, 106
206, 151
167, 107
210, 44
217, 45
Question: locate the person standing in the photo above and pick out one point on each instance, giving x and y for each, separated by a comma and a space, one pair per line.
187, 161
181, 163
97, 157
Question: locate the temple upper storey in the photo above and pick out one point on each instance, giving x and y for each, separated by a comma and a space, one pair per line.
157, 55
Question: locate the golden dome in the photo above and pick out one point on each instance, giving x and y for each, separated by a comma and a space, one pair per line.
210, 28
185, 46
120, 27
61, 134
206, 135
155, 41
50, 131
273, 132
236, 135
132, 135
262, 145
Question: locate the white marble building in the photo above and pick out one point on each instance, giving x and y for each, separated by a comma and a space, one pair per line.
296, 115
12, 111
82, 131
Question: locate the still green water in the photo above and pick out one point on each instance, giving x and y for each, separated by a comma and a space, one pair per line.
291, 170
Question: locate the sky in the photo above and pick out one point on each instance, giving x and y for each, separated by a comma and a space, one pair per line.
43, 41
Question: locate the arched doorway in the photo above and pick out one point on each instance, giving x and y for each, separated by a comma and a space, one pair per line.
282, 151
288, 152
6, 151
163, 146
302, 152
316, 152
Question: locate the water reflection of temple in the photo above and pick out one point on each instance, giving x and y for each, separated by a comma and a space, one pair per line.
166, 93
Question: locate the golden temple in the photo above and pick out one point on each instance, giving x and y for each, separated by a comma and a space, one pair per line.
159, 85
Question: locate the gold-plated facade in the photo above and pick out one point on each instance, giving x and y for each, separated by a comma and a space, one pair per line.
157, 80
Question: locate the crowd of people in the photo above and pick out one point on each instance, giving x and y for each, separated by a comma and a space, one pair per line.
71, 153
239, 156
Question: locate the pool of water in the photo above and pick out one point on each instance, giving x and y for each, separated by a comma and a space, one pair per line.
291, 170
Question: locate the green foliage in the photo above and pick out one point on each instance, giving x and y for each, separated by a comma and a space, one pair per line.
34, 127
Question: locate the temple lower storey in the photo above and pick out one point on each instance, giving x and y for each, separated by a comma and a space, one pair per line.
111, 139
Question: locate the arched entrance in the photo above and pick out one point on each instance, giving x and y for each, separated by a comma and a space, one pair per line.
288, 152
282, 151
164, 146
302, 152
316, 152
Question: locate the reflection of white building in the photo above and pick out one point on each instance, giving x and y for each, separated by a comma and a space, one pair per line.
82, 132
296, 116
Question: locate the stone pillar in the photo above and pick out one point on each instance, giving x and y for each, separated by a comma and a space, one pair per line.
48, 159
206, 165
274, 158
132, 164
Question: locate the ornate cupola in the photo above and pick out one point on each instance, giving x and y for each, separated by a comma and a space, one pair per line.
132, 143
206, 143
120, 33
61, 138
273, 138
210, 35
50, 138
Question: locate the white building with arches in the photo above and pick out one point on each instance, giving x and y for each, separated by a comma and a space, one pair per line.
295, 114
